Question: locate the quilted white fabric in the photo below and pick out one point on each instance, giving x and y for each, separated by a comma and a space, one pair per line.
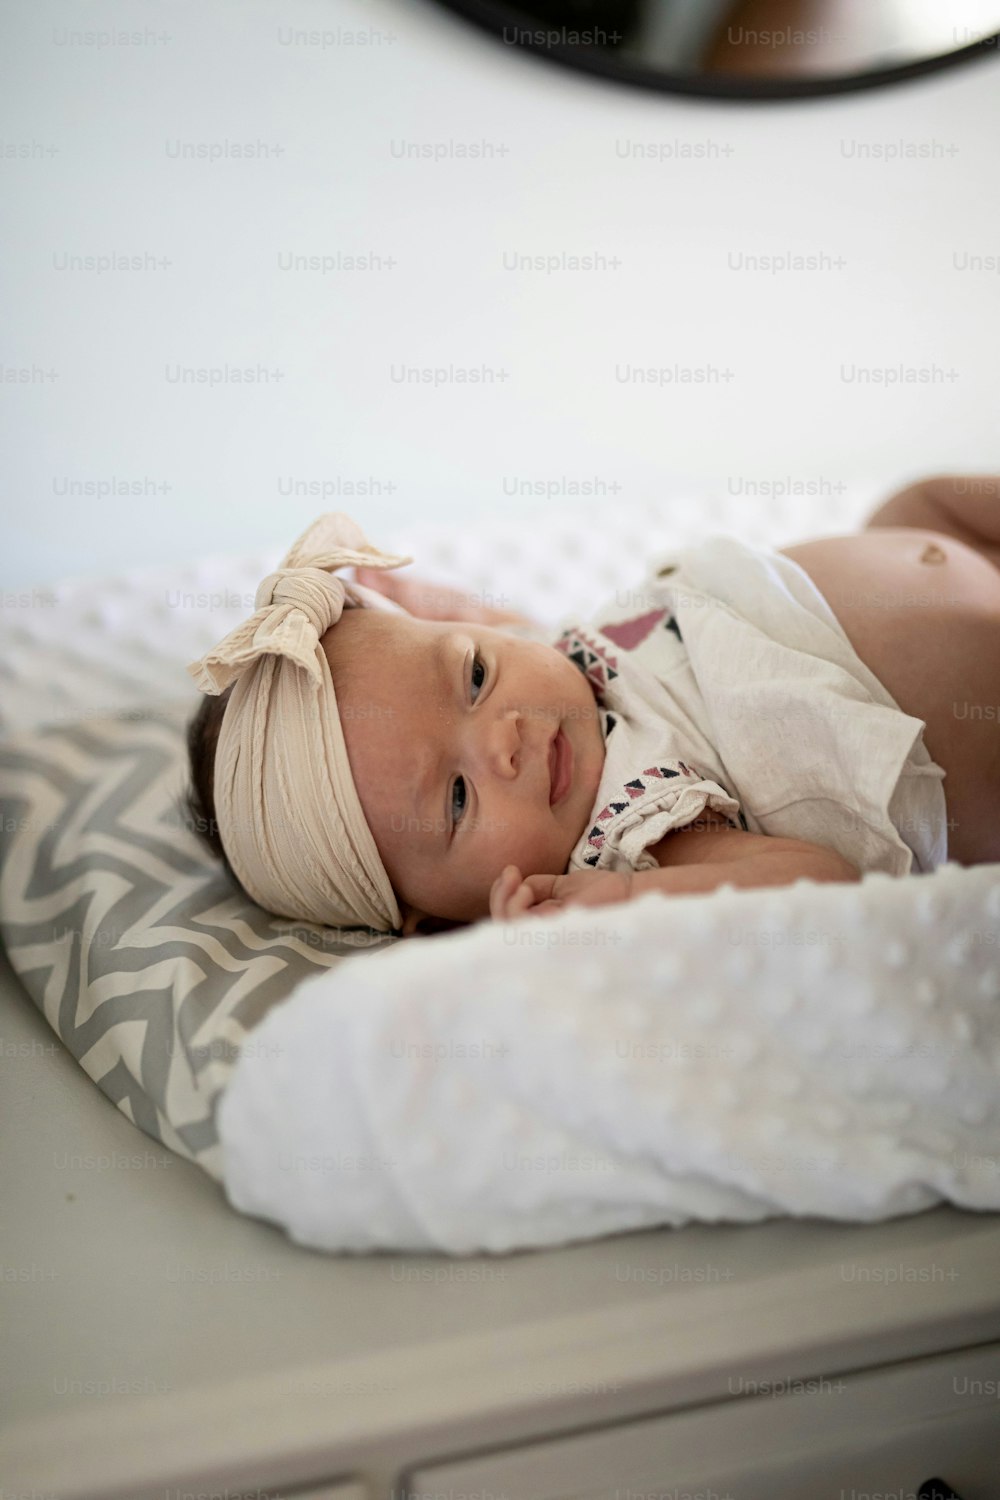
820, 1050
88, 647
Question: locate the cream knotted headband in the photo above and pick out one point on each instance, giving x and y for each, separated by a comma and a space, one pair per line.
287, 809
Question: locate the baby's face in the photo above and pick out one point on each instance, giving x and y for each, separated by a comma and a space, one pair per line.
449, 728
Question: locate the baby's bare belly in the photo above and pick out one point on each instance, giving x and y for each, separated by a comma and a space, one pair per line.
922, 610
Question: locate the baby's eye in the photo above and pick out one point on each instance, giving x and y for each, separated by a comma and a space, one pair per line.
478, 665
459, 782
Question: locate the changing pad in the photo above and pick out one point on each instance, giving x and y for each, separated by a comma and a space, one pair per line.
823, 1050
523, 1084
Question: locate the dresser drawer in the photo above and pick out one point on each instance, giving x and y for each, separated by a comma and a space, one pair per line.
885, 1430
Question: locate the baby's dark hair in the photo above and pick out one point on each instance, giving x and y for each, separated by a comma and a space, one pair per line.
199, 798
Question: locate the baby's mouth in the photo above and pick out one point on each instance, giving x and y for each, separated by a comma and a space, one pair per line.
560, 767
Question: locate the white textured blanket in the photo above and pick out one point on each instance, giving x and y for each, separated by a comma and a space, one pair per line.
806, 1051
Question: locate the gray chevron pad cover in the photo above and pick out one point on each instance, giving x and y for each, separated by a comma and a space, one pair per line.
142, 953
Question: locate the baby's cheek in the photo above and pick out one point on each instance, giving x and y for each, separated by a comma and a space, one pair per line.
535, 850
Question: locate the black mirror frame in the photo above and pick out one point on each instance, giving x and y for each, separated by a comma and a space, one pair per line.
495, 17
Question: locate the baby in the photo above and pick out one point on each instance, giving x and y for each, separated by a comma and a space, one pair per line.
500, 775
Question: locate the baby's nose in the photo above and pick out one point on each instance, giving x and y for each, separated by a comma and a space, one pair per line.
505, 745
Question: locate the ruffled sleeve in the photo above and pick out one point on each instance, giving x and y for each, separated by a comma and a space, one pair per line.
668, 795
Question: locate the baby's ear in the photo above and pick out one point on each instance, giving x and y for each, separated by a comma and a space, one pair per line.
419, 924
411, 919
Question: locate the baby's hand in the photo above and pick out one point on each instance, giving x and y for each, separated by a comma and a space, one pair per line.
428, 601
514, 896
436, 601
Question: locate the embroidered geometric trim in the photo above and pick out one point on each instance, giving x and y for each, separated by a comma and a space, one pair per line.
593, 658
631, 790
595, 662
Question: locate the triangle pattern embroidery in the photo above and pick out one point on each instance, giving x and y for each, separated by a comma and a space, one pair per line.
599, 668
631, 633
635, 788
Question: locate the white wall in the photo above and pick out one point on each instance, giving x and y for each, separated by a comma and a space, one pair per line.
102, 124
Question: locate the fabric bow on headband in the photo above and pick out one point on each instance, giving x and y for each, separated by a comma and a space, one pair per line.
287, 808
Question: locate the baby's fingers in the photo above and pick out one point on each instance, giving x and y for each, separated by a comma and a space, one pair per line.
376, 578
522, 900
533, 896
512, 895
506, 883
548, 909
